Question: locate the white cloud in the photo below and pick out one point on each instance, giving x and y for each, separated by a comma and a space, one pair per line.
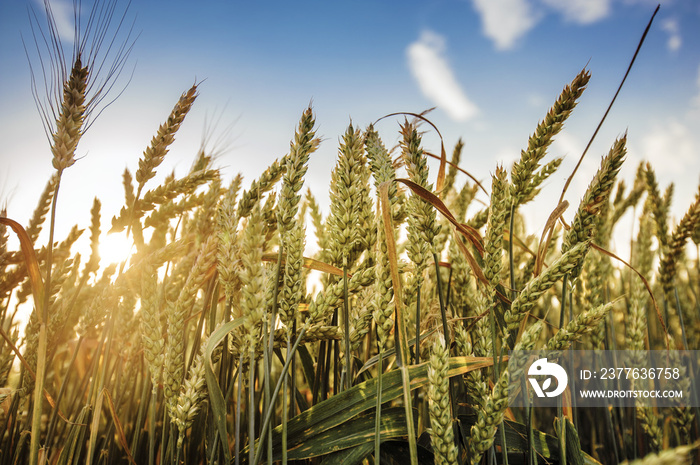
435, 77
674, 35
581, 11
670, 147
568, 145
536, 100
62, 11
505, 21
506, 156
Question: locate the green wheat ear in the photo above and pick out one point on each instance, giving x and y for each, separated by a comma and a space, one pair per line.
441, 433
596, 196
346, 201
524, 175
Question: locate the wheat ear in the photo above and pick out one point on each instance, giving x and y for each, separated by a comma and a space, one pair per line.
177, 313
34, 227
69, 124
342, 224
658, 204
252, 277
193, 392
539, 285
156, 151
300, 149
229, 249
422, 224
596, 196
676, 245
583, 324
525, 179
383, 171
442, 433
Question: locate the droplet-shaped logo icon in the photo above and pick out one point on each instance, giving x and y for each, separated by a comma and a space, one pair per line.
541, 368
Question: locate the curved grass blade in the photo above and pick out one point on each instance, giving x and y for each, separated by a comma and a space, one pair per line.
350, 434
646, 285
443, 155
612, 102
470, 233
462, 170
341, 408
27, 247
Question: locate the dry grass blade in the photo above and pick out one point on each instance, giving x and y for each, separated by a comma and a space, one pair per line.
461, 170
118, 426
470, 233
30, 260
547, 232
402, 341
309, 263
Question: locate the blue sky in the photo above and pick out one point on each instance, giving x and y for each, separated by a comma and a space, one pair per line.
492, 68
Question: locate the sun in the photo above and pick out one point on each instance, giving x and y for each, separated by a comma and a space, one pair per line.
115, 248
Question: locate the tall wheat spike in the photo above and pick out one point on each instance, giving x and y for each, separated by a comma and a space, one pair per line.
525, 180
155, 153
599, 189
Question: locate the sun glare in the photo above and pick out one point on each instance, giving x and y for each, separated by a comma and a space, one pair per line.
115, 248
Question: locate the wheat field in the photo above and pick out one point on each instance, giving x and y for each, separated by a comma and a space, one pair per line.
221, 340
